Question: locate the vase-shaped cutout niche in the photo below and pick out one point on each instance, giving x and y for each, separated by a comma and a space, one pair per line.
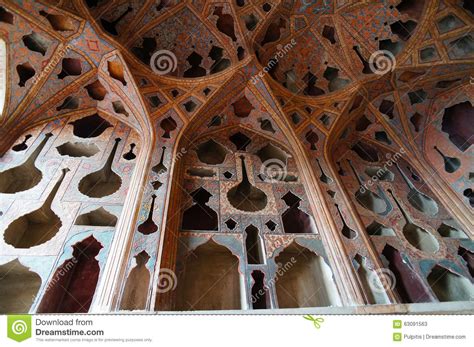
37, 227
24, 176
104, 181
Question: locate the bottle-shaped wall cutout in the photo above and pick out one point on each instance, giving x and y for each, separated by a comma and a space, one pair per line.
367, 68
416, 235
312, 139
37, 227
340, 171
417, 199
346, 231
24, 176
406, 281
413, 174
148, 226
168, 125
245, 196
366, 198
104, 181
156, 184
160, 167
323, 178
130, 155
451, 164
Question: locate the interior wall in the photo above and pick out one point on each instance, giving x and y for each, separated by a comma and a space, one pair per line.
224, 165
401, 215
93, 74
45, 208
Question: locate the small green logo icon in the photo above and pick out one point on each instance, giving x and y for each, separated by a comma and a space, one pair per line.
397, 337
316, 321
19, 327
397, 324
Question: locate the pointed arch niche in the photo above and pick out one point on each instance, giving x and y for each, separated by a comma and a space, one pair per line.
210, 280
48, 198
136, 287
394, 209
447, 126
449, 286
73, 284
304, 279
240, 175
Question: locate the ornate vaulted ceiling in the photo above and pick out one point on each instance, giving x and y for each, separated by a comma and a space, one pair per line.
320, 65
315, 55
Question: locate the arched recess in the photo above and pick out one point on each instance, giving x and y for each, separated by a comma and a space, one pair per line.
136, 287
210, 280
254, 246
132, 103
41, 146
3, 76
73, 284
392, 204
373, 286
245, 160
447, 143
418, 117
18, 287
449, 286
253, 182
29, 174
305, 279
346, 238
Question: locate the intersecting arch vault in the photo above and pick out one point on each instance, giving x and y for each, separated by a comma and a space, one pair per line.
242, 129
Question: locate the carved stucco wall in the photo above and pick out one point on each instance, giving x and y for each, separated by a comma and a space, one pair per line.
321, 99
